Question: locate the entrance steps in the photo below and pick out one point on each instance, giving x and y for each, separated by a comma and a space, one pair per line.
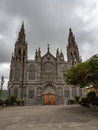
29, 102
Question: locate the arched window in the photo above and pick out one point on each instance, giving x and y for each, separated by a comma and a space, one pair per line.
16, 74
80, 92
38, 91
19, 52
31, 92
24, 92
16, 91
60, 91
67, 93
31, 72
73, 91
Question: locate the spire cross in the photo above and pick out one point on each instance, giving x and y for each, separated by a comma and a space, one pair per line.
22, 23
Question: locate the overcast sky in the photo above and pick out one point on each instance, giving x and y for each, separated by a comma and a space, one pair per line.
47, 22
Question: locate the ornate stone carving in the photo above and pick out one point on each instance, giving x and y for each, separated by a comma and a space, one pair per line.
48, 67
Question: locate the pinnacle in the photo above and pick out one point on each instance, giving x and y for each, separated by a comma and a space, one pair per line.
21, 36
22, 27
71, 38
70, 30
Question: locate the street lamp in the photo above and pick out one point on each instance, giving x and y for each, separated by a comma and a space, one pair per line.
2, 82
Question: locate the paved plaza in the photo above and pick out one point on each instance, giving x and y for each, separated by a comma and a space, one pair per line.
48, 118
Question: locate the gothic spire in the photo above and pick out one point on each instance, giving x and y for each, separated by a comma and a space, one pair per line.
48, 48
62, 56
72, 50
71, 37
57, 52
39, 52
21, 36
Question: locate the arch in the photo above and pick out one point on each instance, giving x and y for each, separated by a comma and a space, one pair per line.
31, 92
49, 94
66, 92
16, 91
17, 73
24, 92
60, 91
39, 91
80, 92
31, 71
49, 88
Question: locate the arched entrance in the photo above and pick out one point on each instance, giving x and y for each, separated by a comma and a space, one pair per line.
49, 95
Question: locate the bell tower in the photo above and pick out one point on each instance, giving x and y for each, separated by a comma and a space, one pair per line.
19, 56
20, 51
72, 50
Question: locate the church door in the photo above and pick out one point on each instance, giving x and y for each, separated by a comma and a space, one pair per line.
49, 99
52, 99
46, 99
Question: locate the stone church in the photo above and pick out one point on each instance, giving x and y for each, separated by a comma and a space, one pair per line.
41, 81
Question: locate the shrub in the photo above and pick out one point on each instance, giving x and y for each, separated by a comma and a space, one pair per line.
1, 102
71, 101
85, 102
96, 101
18, 101
7, 102
93, 101
12, 99
92, 97
91, 94
77, 99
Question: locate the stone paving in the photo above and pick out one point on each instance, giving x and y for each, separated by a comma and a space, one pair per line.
48, 118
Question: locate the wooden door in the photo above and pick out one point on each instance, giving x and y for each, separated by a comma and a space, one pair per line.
46, 99
52, 99
49, 99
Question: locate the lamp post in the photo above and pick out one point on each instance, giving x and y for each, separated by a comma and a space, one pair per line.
2, 82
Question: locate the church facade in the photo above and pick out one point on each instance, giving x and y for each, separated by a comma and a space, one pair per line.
41, 81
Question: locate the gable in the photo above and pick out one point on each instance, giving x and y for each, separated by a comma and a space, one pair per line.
48, 57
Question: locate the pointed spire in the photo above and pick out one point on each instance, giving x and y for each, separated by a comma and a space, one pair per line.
61, 54
70, 30
12, 57
39, 51
36, 53
71, 37
57, 52
48, 47
21, 36
72, 50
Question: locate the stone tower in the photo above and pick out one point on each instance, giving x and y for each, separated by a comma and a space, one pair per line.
20, 52
18, 59
72, 50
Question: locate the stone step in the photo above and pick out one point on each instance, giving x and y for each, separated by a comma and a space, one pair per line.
29, 102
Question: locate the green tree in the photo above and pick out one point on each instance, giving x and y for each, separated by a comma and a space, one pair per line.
84, 74
92, 76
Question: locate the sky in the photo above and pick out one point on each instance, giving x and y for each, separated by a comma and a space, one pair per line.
47, 22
